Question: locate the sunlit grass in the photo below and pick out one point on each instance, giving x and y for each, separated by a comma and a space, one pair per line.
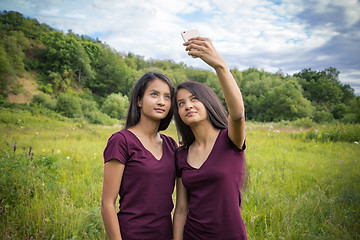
299, 188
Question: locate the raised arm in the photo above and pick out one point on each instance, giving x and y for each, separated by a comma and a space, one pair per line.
203, 48
113, 171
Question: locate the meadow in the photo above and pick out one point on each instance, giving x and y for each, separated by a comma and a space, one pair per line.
304, 182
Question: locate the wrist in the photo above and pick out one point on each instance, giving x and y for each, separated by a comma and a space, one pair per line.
221, 67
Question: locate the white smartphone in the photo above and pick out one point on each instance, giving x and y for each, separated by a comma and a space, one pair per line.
186, 35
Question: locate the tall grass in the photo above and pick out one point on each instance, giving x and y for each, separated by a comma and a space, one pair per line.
300, 188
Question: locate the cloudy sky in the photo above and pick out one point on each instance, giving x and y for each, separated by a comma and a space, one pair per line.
273, 35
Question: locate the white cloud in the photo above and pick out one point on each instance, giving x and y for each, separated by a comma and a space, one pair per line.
289, 34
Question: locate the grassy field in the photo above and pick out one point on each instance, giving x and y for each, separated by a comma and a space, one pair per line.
302, 185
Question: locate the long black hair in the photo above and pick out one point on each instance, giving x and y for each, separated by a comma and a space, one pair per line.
216, 112
134, 112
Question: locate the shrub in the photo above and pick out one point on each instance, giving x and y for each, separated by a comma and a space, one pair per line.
304, 123
44, 100
97, 117
115, 105
336, 133
323, 116
69, 105
351, 118
340, 110
88, 106
2, 100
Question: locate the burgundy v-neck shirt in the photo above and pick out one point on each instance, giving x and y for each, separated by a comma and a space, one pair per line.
214, 192
146, 187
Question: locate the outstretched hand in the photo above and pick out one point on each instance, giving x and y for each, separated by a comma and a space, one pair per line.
203, 48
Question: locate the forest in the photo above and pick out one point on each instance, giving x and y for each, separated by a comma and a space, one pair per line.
84, 78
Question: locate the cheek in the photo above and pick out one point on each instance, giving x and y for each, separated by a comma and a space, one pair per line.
182, 114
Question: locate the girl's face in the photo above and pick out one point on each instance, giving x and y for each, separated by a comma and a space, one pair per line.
191, 110
156, 101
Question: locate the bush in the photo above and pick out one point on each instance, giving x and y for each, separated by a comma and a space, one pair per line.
88, 106
97, 117
351, 118
340, 110
335, 133
115, 105
69, 105
44, 100
323, 116
303, 123
2, 100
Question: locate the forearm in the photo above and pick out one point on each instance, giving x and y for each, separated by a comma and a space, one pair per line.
231, 92
178, 225
111, 222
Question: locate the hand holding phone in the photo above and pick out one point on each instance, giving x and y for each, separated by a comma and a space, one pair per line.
186, 35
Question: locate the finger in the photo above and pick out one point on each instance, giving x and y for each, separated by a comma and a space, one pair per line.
199, 47
197, 40
195, 53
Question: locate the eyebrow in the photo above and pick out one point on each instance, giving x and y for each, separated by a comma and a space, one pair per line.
156, 91
181, 99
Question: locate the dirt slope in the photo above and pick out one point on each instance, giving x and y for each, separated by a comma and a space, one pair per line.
26, 92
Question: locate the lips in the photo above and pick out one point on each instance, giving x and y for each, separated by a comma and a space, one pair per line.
189, 114
160, 110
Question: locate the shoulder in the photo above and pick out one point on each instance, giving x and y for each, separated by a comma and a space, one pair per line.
116, 148
224, 136
181, 153
119, 136
180, 158
169, 141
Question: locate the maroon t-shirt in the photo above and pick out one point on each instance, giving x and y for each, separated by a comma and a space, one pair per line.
146, 187
214, 192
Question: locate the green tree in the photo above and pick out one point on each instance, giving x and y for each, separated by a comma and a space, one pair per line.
284, 102
112, 74
65, 53
5, 70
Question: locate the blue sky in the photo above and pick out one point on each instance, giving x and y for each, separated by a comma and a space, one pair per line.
288, 35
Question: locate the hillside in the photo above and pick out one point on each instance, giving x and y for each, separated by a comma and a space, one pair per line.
26, 86
38, 60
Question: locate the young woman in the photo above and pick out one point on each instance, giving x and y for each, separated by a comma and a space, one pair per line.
140, 167
210, 163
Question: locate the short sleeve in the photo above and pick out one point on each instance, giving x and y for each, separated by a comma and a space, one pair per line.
116, 148
233, 145
171, 142
178, 163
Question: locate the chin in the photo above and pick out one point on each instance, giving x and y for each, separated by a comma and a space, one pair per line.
159, 117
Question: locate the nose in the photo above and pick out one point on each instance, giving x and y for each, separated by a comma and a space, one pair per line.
161, 101
188, 105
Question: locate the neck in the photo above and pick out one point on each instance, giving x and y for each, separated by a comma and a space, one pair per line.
204, 133
146, 128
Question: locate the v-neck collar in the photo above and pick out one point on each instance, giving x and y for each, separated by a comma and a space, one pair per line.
162, 145
208, 156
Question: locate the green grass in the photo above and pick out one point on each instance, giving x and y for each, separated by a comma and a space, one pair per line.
300, 187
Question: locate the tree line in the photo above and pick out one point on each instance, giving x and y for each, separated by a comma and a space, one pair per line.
76, 68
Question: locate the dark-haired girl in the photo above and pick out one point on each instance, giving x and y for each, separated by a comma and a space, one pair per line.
139, 166
211, 161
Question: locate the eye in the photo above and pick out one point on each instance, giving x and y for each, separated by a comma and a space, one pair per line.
168, 97
180, 103
194, 99
154, 94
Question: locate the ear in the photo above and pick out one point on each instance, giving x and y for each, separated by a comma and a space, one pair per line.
139, 103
